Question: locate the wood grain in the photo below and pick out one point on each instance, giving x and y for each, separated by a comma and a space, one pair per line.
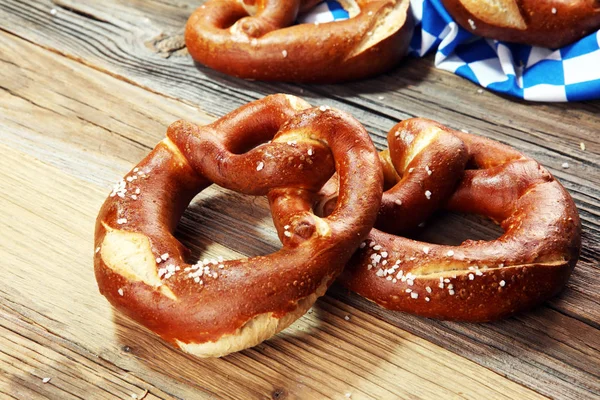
30, 355
93, 127
54, 322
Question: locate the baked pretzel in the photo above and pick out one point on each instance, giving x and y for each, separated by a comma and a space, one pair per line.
546, 23
215, 307
255, 39
478, 280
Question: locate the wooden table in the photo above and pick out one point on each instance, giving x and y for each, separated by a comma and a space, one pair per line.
88, 88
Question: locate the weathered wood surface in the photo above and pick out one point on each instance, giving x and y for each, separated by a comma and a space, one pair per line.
58, 315
74, 126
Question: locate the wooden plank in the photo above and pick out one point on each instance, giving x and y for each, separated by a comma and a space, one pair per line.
41, 365
322, 355
50, 303
126, 135
526, 364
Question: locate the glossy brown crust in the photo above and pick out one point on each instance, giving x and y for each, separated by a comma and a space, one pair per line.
307, 146
478, 280
546, 23
260, 44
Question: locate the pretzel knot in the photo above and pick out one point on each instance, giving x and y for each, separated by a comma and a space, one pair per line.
477, 280
256, 39
215, 307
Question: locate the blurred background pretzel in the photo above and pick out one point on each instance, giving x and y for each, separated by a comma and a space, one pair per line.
256, 39
215, 307
477, 280
546, 23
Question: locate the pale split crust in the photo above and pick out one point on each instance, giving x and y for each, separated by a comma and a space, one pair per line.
130, 255
502, 13
255, 331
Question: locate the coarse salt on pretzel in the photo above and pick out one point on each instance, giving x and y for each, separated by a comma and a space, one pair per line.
215, 307
256, 39
477, 280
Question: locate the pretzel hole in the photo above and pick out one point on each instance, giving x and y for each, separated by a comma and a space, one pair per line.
252, 142
218, 220
228, 20
452, 229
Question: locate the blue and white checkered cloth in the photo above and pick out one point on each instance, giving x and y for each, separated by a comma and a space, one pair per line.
571, 73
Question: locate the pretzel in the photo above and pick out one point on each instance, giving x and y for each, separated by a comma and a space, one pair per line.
477, 280
215, 307
546, 23
255, 39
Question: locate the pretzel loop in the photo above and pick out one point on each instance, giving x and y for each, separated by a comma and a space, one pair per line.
226, 152
215, 307
477, 280
257, 39
265, 16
